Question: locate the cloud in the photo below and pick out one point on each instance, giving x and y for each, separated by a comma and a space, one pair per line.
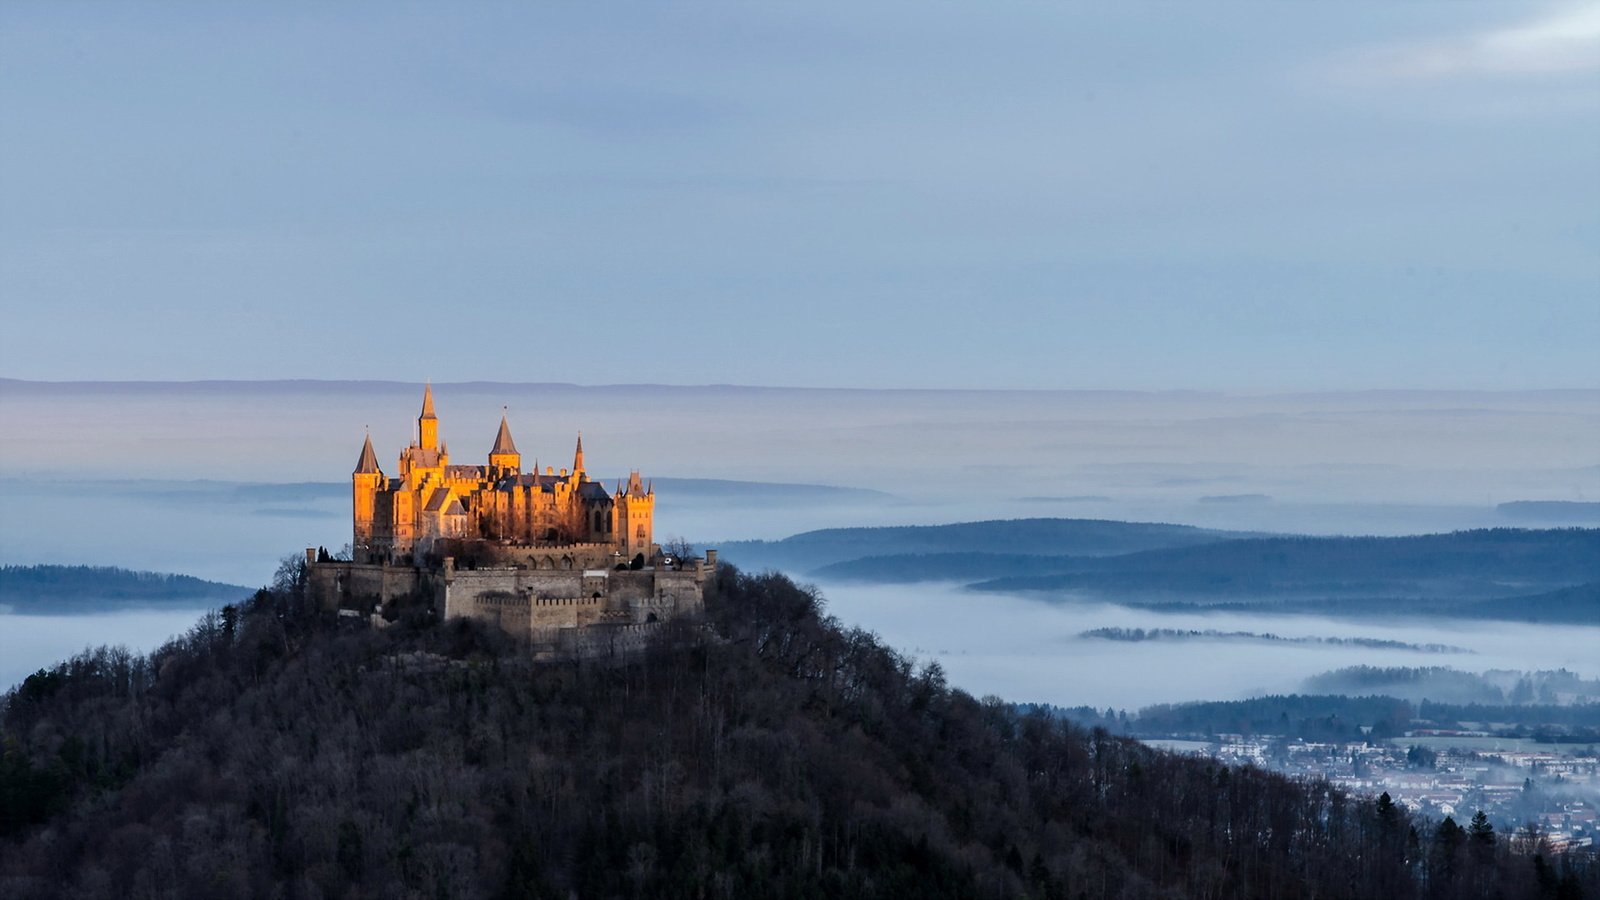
1560, 42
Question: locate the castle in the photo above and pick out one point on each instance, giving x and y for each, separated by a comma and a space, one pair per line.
551, 556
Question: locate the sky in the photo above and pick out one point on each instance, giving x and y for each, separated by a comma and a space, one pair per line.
1226, 196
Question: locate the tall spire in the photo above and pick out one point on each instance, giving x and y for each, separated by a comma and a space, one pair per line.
427, 401
428, 423
502, 441
368, 463
577, 456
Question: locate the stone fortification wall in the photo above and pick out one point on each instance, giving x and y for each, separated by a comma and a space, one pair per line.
365, 587
562, 557
593, 612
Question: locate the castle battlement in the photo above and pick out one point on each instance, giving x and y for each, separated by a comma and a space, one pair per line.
541, 555
565, 601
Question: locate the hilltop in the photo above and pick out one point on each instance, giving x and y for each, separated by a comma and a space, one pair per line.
765, 752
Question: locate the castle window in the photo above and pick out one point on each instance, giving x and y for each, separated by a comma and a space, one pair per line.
639, 534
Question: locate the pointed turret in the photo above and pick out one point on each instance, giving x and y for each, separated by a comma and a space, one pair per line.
502, 441
503, 456
364, 484
577, 457
428, 423
368, 463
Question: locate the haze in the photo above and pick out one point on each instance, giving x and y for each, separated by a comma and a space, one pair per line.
1237, 196
135, 456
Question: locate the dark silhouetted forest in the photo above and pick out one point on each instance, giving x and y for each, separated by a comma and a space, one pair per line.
768, 752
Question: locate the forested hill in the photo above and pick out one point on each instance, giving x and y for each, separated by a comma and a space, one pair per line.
1485, 563
1010, 537
769, 753
60, 589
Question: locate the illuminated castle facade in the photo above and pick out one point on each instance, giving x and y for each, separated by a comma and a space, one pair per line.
433, 506
551, 557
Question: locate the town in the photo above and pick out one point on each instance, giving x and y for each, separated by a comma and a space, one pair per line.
1545, 792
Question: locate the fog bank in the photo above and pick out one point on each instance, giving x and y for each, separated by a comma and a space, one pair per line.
1028, 650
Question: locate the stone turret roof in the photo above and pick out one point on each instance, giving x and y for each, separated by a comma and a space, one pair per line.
368, 463
427, 402
502, 441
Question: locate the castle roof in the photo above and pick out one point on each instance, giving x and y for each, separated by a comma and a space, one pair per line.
444, 501
502, 441
423, 457
593, 490
427, 402
368, 463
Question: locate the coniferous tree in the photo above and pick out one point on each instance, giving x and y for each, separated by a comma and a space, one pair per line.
1444, 858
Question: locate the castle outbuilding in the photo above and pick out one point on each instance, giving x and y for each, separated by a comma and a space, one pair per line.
539, 553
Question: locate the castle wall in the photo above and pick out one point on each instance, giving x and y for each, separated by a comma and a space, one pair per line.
562, 557
364, 587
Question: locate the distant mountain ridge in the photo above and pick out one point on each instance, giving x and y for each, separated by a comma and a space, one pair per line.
75, 589
1549, 575
1002, 542
1478, 564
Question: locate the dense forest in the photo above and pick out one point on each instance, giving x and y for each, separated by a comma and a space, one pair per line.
767, 751
1447, 685
93, 588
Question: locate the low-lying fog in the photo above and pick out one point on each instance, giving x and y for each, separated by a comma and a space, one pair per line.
1030, 650
1018, 648
29, 643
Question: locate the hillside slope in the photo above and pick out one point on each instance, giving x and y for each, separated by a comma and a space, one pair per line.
769, 753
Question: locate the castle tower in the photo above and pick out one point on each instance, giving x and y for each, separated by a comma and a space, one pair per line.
577, 460
636, 518
364, 483
503, 456
428, 423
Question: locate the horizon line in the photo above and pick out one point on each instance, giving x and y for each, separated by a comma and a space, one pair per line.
483, 383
